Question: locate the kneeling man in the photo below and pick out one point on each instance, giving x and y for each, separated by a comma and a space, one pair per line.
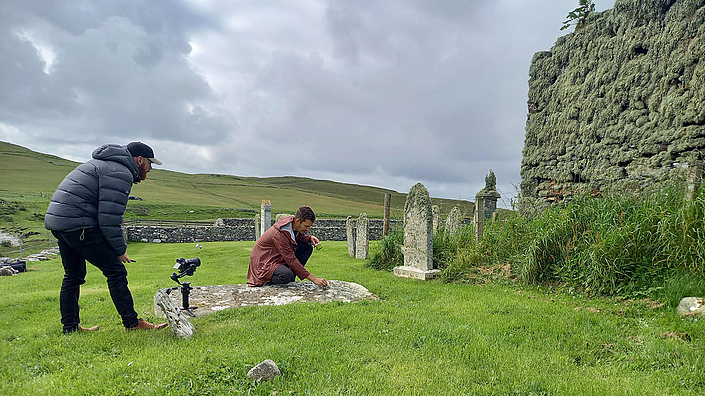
282, 251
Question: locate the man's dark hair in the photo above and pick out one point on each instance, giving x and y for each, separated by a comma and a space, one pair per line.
305, 213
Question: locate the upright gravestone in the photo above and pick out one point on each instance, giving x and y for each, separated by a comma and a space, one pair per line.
436, 217
350, 232
453, 220
694, 180
387, 210
258, 227
265, 216
362, 244
279, 216
418, 236
485, 204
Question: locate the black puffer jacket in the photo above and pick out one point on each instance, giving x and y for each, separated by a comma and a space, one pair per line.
95, 195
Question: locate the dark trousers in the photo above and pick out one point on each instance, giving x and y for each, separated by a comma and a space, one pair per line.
283, 273
76, 247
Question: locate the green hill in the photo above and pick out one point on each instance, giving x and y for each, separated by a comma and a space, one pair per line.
29, 179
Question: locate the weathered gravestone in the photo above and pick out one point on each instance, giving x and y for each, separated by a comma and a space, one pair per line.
694, 179
265, 216
350, 232
453, 220
387, 210
279, 216
258, 227
436, 217
211, 299
362, 243
485, 204
165, 306
418, 236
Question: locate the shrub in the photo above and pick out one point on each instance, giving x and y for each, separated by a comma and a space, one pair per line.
6, 244
389, 253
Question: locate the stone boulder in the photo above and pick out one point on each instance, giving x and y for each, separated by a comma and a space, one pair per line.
691, 306
264, 371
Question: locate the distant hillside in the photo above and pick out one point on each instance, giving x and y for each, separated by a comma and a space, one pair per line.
174, 195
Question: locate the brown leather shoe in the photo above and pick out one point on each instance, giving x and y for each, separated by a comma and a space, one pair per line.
94, 328
144, 325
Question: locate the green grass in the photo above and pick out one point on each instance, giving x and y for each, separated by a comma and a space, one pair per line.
421, 338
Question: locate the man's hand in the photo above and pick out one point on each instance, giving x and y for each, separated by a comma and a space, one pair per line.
319, 281
315, 240
124, 258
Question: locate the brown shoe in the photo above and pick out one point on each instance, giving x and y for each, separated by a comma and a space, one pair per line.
94, 328
144, 325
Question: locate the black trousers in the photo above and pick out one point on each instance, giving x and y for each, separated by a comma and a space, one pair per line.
77, 247
283, 273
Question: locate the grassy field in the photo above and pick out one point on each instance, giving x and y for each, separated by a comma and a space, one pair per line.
29, 179
420, 338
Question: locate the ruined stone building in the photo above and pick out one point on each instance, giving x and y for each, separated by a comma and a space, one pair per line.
617, 103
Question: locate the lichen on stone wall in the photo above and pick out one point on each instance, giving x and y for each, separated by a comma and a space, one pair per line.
619, 103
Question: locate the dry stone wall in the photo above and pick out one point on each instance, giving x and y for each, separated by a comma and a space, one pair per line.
617, 104
244, 230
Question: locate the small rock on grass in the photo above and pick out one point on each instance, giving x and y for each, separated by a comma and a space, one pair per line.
691, 306
264, 371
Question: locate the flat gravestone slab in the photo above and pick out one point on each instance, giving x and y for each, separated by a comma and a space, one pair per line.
210, 299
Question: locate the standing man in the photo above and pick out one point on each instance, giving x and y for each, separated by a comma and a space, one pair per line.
282, 251
85, 216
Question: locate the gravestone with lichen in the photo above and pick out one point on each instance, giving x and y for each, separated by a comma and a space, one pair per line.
418, 236
350, 232
436, 217
618, 104
453, 220
362, 242
265, 216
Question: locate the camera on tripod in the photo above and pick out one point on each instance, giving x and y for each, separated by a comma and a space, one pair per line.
185, 267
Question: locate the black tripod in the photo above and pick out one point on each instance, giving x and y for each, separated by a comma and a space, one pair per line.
185, 292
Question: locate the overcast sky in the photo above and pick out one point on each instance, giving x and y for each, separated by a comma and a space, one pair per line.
381, 92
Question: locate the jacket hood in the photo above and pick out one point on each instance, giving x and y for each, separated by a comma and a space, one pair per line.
120, 154
283, 221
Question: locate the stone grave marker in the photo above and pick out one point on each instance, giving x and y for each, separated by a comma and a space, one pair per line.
418, 236
436, 217
258, 227
211, 299
165, 306
362, 243
453, 220
350, 232
265, 216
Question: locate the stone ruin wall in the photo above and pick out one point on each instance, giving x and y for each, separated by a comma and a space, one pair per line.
244, 230
618, 104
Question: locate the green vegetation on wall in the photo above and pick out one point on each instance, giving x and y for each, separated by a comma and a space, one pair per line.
619, 103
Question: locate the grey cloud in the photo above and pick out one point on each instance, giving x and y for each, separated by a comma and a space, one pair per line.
386, 92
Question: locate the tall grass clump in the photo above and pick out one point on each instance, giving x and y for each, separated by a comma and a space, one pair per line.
388, 253
618, 244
